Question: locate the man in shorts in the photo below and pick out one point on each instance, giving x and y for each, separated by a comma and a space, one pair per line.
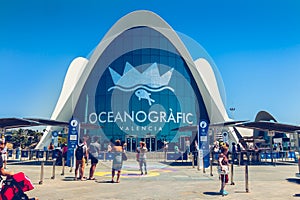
80, 155
94, 150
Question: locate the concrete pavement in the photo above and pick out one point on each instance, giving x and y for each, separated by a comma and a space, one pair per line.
164, 181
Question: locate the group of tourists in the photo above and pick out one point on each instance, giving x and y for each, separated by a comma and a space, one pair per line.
84, 152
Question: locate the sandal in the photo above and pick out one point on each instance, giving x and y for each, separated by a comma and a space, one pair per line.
93, 178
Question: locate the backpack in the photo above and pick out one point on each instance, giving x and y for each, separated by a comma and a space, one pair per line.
79, 152
15, 187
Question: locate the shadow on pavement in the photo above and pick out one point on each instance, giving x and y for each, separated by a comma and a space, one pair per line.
212, 193
103, 182
69, 178
240, 192
293, 180
179, 163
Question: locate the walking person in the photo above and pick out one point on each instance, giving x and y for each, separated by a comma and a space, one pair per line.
234, 152
223, 168
81, 154
3, 172
117, 164
4, 155
94, 151
142, 157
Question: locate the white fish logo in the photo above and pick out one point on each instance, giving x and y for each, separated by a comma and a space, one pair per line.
143, 94
141, 82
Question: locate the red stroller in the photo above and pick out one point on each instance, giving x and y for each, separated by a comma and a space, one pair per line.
13, 188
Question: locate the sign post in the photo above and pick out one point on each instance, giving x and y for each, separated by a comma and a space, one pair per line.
203, 145
55, 138
74, 129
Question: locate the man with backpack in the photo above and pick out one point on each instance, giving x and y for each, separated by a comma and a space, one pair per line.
81, 154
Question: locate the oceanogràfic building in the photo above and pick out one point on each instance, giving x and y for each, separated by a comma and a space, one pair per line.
141, 83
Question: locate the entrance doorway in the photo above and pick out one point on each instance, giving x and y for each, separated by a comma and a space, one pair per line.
151, 143
131, 141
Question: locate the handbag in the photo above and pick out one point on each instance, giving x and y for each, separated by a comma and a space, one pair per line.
124, 156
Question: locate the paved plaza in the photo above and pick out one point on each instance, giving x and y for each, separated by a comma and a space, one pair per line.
164, 181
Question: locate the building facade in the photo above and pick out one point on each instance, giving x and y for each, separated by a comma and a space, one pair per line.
141, 83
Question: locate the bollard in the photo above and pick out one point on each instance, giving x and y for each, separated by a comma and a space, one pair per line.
53, 169
30, 154
299, 164
42, 172
211, 163
231, 174
63, 166
246, 175
203, 166
71, 161
198, 161
193, 161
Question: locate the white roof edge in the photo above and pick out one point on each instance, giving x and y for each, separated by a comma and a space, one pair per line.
73, 74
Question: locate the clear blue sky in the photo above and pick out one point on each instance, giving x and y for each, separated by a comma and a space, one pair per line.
255, 45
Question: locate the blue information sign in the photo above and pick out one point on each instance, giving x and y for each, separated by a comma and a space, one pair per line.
203, 141
54, 133
74, 129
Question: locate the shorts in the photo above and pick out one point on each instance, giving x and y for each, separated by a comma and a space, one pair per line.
224, 178
94, 160
4, 157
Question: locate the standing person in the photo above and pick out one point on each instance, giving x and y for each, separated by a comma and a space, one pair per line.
187, 146
94, 151
176, 148
142, 157
3, 172
109, 148
64, 150
80, 155
234, 154
51, 146
4, 155
239, 149
165, 150
223, 168
117, 164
